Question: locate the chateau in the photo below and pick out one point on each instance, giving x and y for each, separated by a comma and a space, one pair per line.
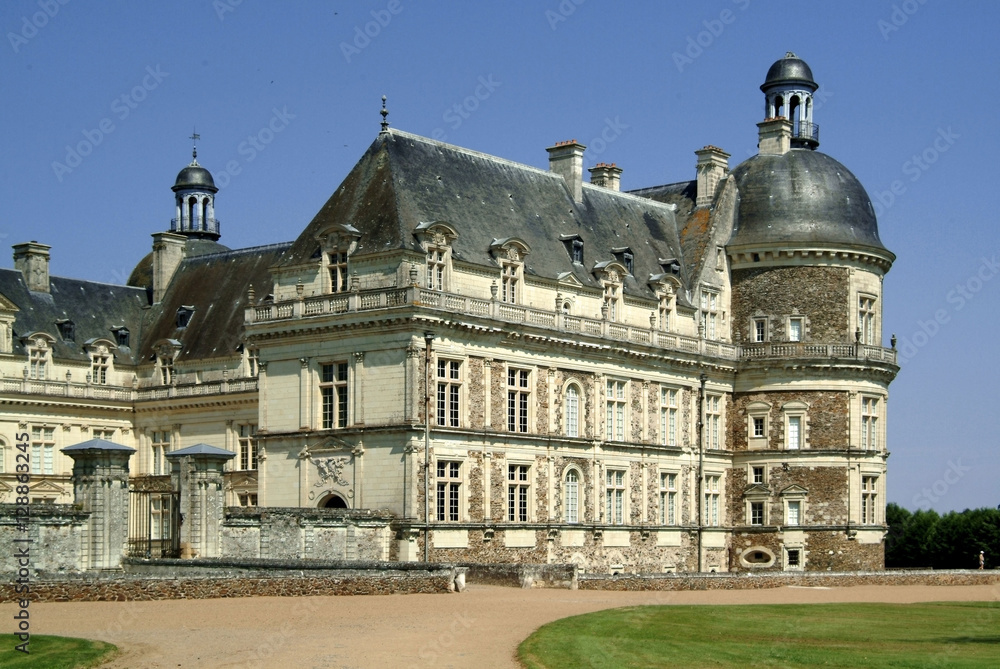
517, 364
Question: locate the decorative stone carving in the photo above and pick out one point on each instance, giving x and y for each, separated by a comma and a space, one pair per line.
330, 469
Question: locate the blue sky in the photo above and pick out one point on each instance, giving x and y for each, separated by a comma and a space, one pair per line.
909, 92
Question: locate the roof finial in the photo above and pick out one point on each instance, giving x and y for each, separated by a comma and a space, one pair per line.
194, 149
385, 113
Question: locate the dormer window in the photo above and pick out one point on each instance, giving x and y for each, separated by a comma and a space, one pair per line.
670, 266
337, 265
510, 254
165, 366
627, 261
625, 257
184, 316
121, 336
509, 280
574, 247
38, 359
436, 268
67, 331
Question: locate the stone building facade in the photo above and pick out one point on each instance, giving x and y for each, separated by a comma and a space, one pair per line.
518, 365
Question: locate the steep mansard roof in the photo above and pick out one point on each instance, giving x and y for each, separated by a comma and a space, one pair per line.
94, 308
215, 286
404, 180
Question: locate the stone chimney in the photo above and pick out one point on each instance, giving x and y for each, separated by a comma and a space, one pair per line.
775, 136
606, 176
32, 259
566, 158
168, 252
713, 165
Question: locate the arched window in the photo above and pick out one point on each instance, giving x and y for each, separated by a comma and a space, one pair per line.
335, 502
571, 497
572, 411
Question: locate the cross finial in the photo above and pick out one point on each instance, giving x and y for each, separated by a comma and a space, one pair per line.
385, 113
194, 150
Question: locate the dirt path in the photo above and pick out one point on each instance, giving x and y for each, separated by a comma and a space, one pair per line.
478, 628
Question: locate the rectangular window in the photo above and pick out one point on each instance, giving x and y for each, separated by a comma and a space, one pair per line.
518, 398
160, 445
107, 435
449, 389
668, 498
794, 437
37, 360
572, 495
866, 319
712, 500
435, 269
248, 446
756, 513
338, 272
99, 369
517, 493
333, 389
869, 423
794, 559
43, 446
572, 411
578, 251
760, 330
248, 499
253, 361
166, 365
615, 497
611, 300
448, 487
713, 421
615, 399
709, 313
794, 513
668, 416
508, 283
758, 474
758, 427
795, 329
869, 498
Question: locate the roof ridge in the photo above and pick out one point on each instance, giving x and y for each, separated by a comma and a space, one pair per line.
471, 152
78, 280
243, 251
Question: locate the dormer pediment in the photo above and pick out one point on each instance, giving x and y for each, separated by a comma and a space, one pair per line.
610, 271
569, 280
339, 236
7, 307
509, 248
666, 284
38, 339
438, 233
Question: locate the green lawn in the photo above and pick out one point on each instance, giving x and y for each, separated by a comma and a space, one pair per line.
54, 652
946, 634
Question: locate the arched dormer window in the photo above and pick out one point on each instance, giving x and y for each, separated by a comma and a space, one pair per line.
611, 274
510, 256
39, 347
165, 352
101, 359
436, 239
336, 243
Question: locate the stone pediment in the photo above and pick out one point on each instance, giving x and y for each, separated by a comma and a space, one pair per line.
46, 486
756, 490
568, 279
330, 445
7, 306
794, 489
4, 488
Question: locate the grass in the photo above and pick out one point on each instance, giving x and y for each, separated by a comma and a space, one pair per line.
54, 652
945, 634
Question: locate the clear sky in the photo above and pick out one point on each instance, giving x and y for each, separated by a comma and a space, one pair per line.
99, 100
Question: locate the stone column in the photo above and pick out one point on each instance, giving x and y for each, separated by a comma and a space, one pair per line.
100, 487
196, 471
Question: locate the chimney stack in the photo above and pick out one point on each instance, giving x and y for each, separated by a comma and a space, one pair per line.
713, 165
32, 259
168, 252
566, 159
606, 176
775, 136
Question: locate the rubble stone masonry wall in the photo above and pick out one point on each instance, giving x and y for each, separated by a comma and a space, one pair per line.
821, 294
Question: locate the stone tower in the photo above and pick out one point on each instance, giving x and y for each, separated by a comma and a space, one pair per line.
810, 397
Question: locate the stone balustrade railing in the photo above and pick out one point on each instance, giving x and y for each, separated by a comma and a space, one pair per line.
52, 388
415, 296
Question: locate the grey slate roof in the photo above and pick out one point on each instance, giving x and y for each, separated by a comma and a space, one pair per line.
201, 449
95, 308
404, 180
99, 444
215, 285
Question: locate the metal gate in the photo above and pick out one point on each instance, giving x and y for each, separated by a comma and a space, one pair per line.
154, 520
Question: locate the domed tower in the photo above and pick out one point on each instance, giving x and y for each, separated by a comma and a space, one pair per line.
810, 397
194, 198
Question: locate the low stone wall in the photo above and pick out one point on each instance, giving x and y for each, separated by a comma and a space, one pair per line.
753, 581
55, 532
523, 575
147, 580
293, 533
